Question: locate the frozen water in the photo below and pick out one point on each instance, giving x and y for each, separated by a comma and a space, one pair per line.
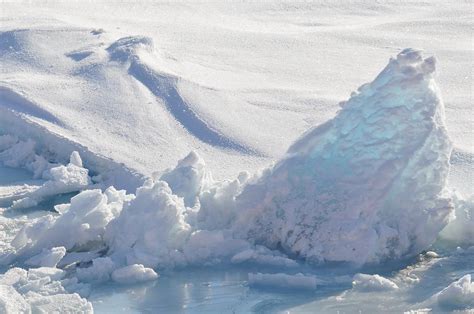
97, 101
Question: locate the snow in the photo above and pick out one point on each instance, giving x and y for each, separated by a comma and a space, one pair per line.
460, 229
99, 102
47, 257
366, 186
458, 295
280, 280
367, 283
40, 290
133, 274
81, 224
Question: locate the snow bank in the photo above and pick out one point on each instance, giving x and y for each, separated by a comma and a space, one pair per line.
133, 274
284, 281
458, 295
366, 186
367, 283
40, 290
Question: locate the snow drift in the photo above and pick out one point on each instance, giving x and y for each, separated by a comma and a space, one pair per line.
366, 186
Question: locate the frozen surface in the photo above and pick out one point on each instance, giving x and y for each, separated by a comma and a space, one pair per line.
366, 186
99, 102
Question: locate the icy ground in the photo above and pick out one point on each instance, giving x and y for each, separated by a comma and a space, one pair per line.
99, 102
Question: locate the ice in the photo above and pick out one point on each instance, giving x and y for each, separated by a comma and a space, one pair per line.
151, 229
366, 186
460, 229
39, 290
48, 257
133, 274
188, 178
60, 180
367, 283
100, 271
280, 280
458, 295
82, 224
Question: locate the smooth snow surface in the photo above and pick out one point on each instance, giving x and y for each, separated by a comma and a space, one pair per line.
152, 138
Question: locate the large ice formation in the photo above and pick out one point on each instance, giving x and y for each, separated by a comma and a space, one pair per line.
365, 186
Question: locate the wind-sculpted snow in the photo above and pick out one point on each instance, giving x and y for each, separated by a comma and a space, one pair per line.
11, 100
366, 186
165, 87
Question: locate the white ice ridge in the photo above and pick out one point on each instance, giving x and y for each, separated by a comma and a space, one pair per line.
366, 186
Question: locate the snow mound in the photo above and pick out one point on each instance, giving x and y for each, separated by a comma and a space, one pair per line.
458, 295
366, 186
41, 290
285, 281
367, 283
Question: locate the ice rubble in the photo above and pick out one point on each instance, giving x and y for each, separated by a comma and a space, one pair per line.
366, 186
365, 282
460, 230
41, 290
458, 295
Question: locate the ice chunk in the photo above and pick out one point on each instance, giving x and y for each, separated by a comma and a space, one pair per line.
188, 178
133, 274
366, 186
283, 281
151, 229
61, 179
48, 257
75, 159
367, 283
12, 302
83, 222
460, 229
458, 295
39, 290
100, 270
